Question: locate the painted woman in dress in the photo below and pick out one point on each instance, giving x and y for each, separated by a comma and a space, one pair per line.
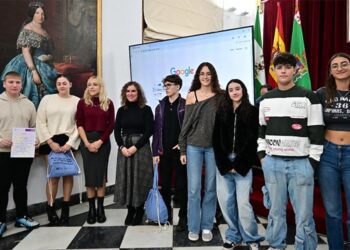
34, 62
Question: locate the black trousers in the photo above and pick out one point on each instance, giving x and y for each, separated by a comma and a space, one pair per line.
14, 171
169, 164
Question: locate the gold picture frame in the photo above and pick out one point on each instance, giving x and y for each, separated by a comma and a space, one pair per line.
99, 38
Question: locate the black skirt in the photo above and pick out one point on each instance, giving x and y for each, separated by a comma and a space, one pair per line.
95, 164
61, 139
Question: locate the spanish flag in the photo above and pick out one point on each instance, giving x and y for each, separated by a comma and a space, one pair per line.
277, 47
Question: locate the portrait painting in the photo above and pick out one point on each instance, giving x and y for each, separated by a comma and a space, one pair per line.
44, 38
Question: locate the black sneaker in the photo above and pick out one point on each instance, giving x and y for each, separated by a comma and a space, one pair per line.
2, 228
228, 245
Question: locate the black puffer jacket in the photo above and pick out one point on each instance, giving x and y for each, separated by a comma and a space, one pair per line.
245, 143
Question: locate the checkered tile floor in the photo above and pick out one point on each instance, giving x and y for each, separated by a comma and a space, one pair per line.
114, 235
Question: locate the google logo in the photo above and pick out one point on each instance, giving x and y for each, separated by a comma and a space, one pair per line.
187, 71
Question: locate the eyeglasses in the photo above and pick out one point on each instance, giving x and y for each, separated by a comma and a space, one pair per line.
168, 85
341, 65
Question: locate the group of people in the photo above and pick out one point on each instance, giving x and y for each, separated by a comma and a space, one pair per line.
295, 133
214, 135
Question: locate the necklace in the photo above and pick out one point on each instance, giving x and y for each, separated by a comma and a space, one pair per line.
341, 95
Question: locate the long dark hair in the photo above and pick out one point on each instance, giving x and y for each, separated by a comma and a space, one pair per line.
141, 99
196, 84
245, 106
330, 84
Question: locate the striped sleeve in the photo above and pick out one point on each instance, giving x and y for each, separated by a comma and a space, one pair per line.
262, 131
291, 124
315, 126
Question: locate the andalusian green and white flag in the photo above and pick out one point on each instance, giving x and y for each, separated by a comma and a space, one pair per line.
297, 48
259, 68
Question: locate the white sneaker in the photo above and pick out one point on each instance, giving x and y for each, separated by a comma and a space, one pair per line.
207, 235
253, 246
193, 236
273, 248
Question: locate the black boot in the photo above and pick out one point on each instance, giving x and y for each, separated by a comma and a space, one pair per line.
130, 216
51, 214
182, 225
101, 217
170, 215
91, 219
138, 216
64, 220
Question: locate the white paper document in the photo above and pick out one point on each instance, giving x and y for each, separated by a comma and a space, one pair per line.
23, 143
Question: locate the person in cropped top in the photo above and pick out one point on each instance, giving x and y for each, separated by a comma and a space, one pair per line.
334, 169
195, 142
95, 122
133, 128
57, 131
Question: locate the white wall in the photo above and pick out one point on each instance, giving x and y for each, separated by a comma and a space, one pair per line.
121, 26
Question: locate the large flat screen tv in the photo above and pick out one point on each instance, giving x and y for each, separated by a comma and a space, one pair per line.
230, 51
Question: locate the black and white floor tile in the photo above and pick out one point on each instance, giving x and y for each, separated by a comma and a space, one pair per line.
114, 235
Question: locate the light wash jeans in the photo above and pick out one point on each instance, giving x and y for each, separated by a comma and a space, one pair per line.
233, 192
333, 173
293, 178
201, 211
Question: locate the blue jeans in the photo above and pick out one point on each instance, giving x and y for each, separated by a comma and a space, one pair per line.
293, 178
334, 170
201, 212
233, 192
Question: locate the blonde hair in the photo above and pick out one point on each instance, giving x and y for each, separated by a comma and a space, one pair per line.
102, 96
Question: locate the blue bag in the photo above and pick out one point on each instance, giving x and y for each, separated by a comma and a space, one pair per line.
62, 164
156, 210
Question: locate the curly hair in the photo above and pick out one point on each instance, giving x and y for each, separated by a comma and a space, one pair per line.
330, 84
102, 96
141, 99
196, 84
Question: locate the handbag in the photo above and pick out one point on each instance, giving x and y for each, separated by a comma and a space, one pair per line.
155, 207
62, 164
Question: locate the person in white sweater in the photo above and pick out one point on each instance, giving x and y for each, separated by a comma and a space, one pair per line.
57, 131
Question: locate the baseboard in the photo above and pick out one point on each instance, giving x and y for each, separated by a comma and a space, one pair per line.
40, 208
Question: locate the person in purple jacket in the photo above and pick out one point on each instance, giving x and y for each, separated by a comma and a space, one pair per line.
169, 116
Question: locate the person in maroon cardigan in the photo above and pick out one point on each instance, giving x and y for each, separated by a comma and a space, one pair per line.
95, 122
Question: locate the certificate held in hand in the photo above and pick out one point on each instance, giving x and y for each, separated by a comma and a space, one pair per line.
23, 143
